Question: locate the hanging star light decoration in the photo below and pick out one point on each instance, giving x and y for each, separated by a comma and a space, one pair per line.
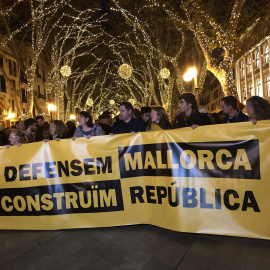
65, 71
89, 102
165, 73
125, 71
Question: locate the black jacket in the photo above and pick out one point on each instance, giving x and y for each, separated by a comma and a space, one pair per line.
239, 117
196, 117
135, 124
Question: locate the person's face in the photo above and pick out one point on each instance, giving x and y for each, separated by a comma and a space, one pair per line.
82, 120
145, 117
226, 109
52, 129
154, 116
124, 113
14, 139
250, 110
21, 125
184, 106
34, 127
40, 122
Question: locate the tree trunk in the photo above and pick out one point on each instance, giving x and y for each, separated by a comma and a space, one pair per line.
226, 80
30, 91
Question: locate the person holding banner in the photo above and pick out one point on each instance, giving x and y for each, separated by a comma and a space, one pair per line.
16, 137
159, 120
58, 130
30, 130
189, 115
127, 124
232, 114
86, 127
258, 109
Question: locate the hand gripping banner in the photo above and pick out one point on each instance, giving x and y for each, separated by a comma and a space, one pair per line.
214, 180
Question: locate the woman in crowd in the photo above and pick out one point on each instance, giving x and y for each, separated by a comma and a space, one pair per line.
257, 109
86, 128
58, 130
159, 120
16, 137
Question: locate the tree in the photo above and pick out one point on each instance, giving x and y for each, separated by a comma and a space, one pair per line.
219, 31
148, 48
73, 44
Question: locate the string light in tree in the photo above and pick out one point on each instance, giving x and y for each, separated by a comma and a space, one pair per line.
112, 102
132, 101
125, 71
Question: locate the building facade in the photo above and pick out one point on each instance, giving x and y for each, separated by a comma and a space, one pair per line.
13, 88
252, 73
212, 94
253, 70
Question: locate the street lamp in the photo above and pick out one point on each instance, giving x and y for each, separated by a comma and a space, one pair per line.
188, 76
72, 117
51, 108
11, 115
191, 74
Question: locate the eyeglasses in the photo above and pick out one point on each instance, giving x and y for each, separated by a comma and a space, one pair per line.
11, 137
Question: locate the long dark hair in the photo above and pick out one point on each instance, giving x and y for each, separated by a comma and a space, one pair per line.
87, 115
164, 122
260, 106
61, 130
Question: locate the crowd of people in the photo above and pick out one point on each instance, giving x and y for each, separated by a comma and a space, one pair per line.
132, 120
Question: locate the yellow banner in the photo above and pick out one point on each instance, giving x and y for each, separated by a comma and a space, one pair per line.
214, 180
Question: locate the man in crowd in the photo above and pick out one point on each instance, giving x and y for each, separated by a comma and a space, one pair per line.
128, 123
20, 125
30, 130
41, 126
105, 121
229, 107
190, 116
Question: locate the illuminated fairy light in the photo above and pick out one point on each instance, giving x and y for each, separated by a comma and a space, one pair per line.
221, 37
65, 71
153, 56
89, 102
112, 102
125, 71
132, 101
165, 73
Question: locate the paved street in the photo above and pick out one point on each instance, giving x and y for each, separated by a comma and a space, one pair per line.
130, 247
